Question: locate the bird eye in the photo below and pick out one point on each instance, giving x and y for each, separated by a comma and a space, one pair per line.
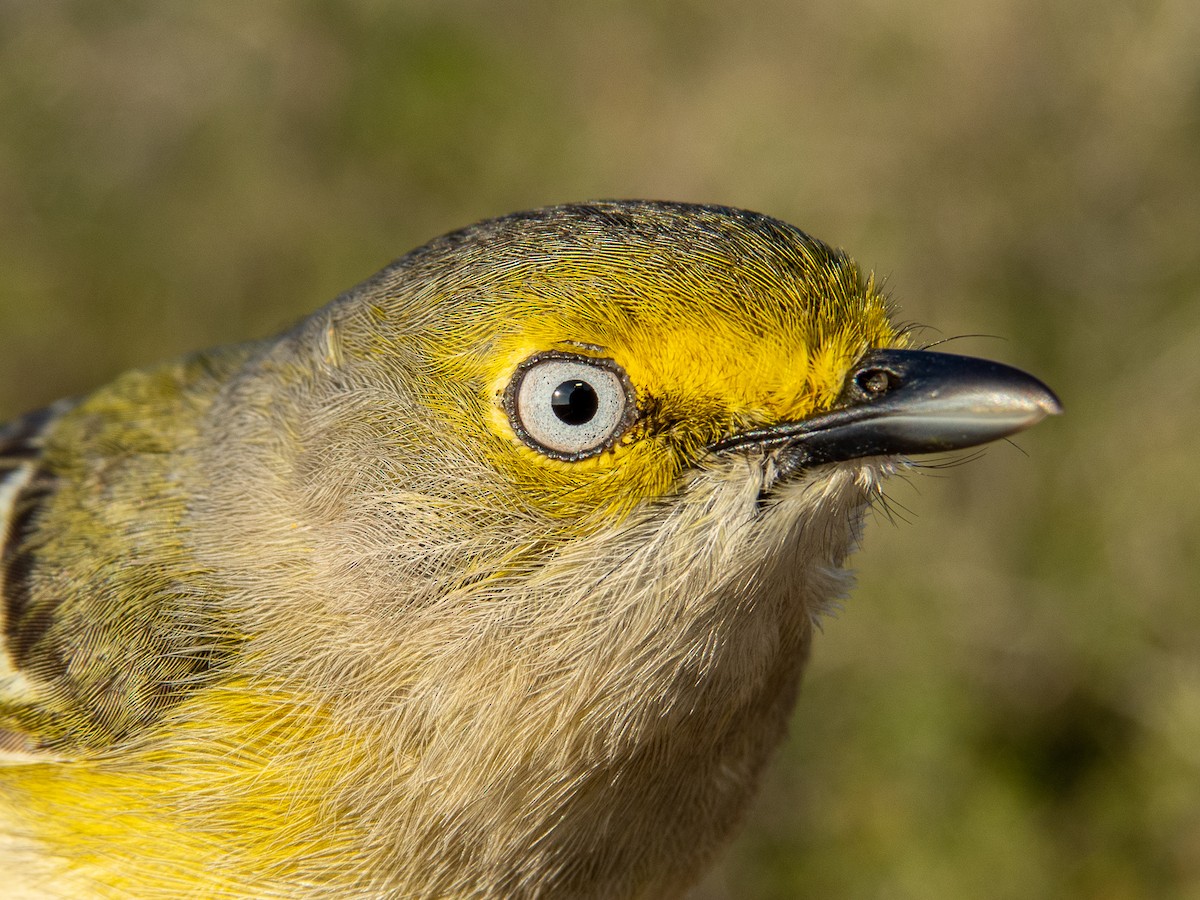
569, 407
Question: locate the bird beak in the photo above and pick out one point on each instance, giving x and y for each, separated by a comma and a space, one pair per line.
905, 402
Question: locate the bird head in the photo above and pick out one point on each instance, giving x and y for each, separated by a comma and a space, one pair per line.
560, 496
542, 398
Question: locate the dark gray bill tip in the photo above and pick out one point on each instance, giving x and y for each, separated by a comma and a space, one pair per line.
907, 402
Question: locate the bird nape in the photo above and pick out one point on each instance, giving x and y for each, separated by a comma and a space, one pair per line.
495, 577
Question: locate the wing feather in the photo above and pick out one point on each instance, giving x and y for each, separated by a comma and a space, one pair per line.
24, 485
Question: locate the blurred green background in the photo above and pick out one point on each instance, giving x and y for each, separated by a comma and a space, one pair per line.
1009, 705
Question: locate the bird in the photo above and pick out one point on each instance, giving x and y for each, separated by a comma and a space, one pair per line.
493, 578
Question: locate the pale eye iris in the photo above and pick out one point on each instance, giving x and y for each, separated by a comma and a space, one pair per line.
568, 406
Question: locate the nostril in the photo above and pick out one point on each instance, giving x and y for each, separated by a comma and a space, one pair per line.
875, 382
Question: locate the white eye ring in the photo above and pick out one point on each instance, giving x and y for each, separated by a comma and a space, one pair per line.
568, 406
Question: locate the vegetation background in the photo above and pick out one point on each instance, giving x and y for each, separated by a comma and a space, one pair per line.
1009, 705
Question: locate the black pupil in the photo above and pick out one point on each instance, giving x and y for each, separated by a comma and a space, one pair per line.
575, 402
